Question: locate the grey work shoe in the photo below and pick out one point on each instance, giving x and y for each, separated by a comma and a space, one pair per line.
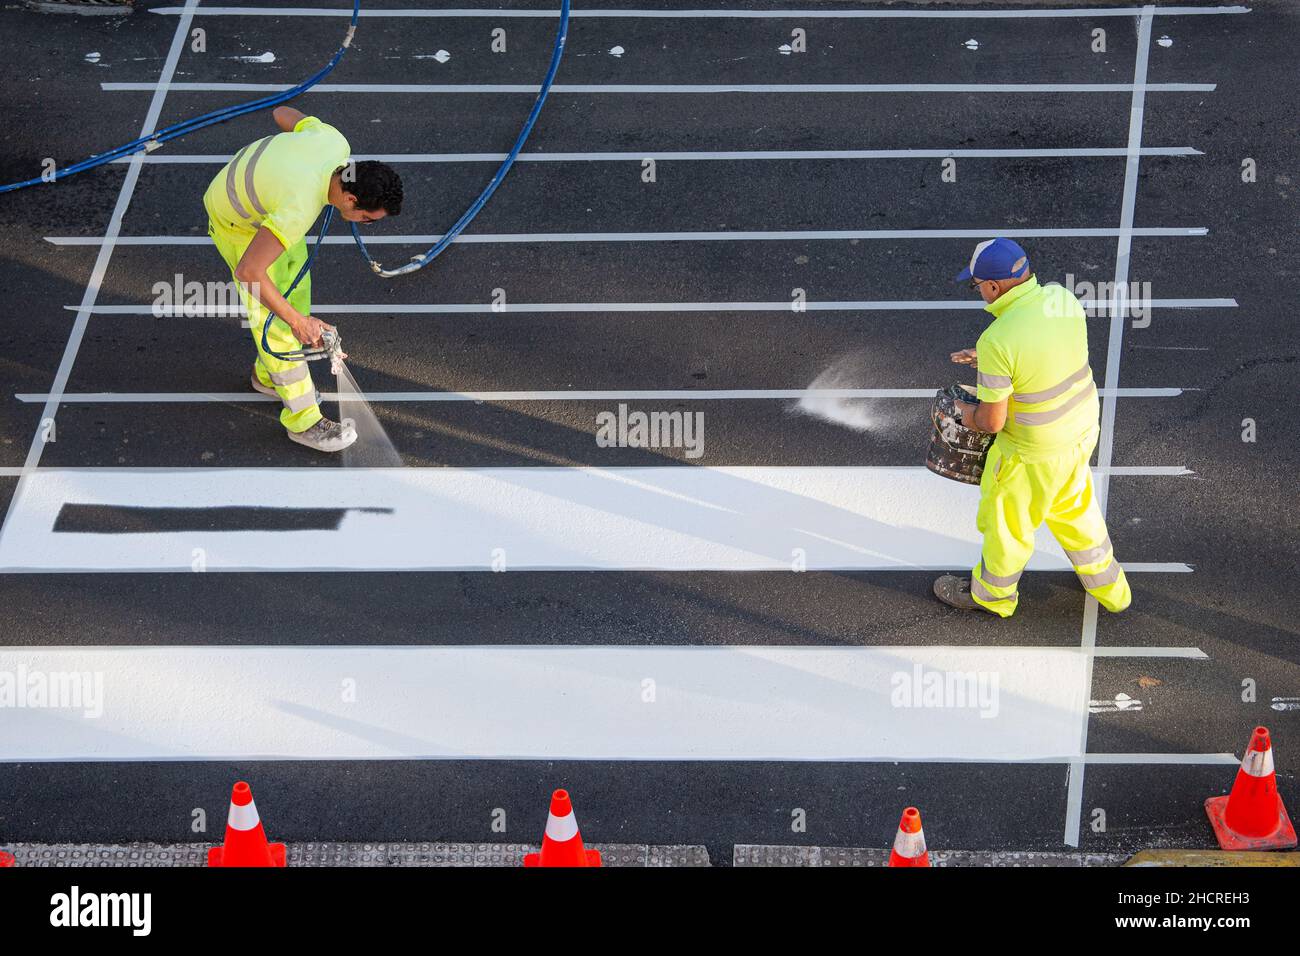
270, 389
326, 435
955, 592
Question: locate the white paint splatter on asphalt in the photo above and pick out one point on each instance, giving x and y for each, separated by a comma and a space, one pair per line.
1122, 702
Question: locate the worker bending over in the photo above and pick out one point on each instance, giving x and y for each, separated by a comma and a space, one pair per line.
260, 207
1037, 394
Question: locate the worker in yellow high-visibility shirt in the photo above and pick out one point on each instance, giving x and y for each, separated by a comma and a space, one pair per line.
260, 207
1036, 392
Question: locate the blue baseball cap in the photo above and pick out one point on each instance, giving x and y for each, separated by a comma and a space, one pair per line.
995, 259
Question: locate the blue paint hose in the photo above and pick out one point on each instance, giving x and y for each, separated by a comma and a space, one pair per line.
419, 262
184, 128
177, 130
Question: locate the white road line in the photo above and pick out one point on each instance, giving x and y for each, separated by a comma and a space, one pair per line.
1113, 759
1188, 653
1138, 470
670, 88
1191, 653
553, 395
1104, 232
1123, 251
669, 518
527, 308
1124, 245
707, 155
1007, 704
100, 268
1168, 758
1012, 14
1134, 470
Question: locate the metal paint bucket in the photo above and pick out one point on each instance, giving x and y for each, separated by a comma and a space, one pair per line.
956, 452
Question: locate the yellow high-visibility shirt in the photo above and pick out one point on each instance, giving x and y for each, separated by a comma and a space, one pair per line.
1036, 352
280, 182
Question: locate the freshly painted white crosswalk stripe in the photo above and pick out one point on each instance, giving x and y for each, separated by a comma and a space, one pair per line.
543, 702
662, 518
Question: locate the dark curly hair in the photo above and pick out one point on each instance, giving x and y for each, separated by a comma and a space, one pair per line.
376, 186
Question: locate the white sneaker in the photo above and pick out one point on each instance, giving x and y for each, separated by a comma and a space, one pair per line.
270, 389
326, 435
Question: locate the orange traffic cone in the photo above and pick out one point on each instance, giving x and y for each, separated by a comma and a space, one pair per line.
1252, 816
909, 844
245, 839
6, 859
562, 843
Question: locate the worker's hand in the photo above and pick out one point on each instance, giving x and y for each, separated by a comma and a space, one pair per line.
308, 331
964, 357
965, 413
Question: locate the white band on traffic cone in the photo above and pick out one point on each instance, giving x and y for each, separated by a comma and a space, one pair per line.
1258, 763
561, 829
909, 845
243, 818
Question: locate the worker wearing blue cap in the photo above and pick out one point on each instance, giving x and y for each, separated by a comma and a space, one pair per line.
1036, 392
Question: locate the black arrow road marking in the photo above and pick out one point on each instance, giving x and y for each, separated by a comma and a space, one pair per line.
131, 519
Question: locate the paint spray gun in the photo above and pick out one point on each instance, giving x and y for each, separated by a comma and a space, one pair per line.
331, 348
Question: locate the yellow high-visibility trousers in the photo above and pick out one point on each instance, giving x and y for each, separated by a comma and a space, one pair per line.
1016, 497
291, 380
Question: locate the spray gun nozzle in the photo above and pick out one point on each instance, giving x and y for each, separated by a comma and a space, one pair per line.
332, 343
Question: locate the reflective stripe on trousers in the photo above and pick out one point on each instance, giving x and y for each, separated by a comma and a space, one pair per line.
1016, 498
291, 380
1096, 567
990, 597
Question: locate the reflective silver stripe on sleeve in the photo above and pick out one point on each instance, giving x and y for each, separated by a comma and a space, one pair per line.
999, 580
994, 381
231, 193
1089, 555
249, 188
1046, 418
295, 374
1033, 398
301, 403
984, 594
1102, 578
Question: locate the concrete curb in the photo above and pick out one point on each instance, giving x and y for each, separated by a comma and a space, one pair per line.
1214, 858
344, 854
812, 856
82, 7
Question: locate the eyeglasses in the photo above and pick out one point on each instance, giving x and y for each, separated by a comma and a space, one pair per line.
976, 283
